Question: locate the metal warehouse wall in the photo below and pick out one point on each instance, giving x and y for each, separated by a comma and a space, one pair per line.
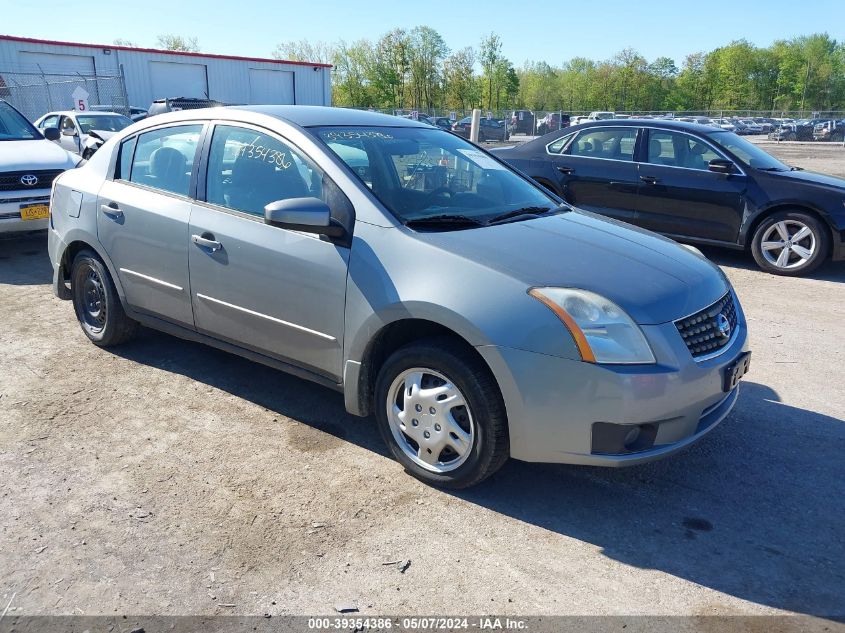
229, 80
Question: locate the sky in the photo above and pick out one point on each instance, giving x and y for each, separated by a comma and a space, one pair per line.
547, 30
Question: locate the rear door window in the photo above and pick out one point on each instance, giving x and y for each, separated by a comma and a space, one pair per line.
609, 143
164, 158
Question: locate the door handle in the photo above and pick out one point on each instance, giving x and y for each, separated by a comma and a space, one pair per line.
211, 244
566, 170
650, 180
112, 210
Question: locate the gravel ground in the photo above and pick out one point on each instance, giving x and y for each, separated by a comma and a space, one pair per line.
166, 477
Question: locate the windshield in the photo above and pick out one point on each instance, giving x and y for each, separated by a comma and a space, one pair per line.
747, 152
426, 174
107, 123
14, 127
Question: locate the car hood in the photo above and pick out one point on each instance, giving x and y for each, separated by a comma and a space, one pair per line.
35, 155
651, 277
101, 134
811, 177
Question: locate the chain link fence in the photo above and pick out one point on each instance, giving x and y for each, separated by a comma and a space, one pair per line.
35, 94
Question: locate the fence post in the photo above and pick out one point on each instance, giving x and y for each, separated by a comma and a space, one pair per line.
476, 123
123, 91
46, 87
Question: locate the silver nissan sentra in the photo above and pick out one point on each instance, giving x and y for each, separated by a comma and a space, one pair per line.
477, 316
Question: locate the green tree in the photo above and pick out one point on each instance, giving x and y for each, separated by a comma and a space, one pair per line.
171, 42
305, 51
490, 54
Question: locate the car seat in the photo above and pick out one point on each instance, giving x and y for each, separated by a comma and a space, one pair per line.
257, 182
655, 149
169, 170
695, 158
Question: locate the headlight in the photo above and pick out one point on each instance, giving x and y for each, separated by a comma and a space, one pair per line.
603, 332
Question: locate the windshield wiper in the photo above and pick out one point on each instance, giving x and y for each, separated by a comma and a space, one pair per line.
517, 213
444, 220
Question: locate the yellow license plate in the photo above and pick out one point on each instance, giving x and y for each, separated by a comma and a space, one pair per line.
35, 212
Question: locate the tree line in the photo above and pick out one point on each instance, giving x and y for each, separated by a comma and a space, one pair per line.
416, 69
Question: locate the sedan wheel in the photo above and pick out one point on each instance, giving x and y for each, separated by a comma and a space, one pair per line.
96, 302
440, 412
430, 420
789, 243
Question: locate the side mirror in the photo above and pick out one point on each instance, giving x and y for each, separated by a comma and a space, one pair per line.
51, 133
721, 166
70, 131
310, 215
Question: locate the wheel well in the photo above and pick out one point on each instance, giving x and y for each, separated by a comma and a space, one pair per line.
749, 235
64, 266
390, 338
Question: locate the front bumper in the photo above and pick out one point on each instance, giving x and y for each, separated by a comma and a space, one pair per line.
10, 210
554, 404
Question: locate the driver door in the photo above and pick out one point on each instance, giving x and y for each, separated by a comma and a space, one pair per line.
275, 291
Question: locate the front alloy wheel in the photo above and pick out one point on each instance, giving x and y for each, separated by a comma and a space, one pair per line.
789, 243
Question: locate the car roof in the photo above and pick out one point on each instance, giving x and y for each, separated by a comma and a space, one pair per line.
664, 124
77, 112
309, 116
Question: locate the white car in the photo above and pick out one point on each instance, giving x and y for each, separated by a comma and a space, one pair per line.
83, 132
725, 124
29, 163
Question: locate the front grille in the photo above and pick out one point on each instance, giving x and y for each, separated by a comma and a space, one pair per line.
11, 180
701, 331
25, 199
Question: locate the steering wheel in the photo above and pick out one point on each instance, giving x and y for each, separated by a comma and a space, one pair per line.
440, 191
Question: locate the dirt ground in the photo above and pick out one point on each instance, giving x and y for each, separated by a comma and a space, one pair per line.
164, 477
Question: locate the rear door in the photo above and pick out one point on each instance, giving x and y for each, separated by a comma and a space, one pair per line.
275, 291
143, 217
596, 171
680, 196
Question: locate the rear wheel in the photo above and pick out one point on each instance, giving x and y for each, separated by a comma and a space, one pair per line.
96, 302
790, 243
441, 414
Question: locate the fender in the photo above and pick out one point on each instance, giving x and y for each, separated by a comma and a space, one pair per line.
750, 219
62, 265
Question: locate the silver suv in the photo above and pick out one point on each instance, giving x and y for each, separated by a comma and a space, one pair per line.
470, 310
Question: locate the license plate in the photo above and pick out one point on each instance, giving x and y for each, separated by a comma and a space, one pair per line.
35, 211
734, 372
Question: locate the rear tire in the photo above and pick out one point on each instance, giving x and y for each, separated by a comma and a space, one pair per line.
440, 412
790, 243
96, 302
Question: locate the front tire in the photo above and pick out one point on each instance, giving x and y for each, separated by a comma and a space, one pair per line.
441, 414
790, 243
96, 302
